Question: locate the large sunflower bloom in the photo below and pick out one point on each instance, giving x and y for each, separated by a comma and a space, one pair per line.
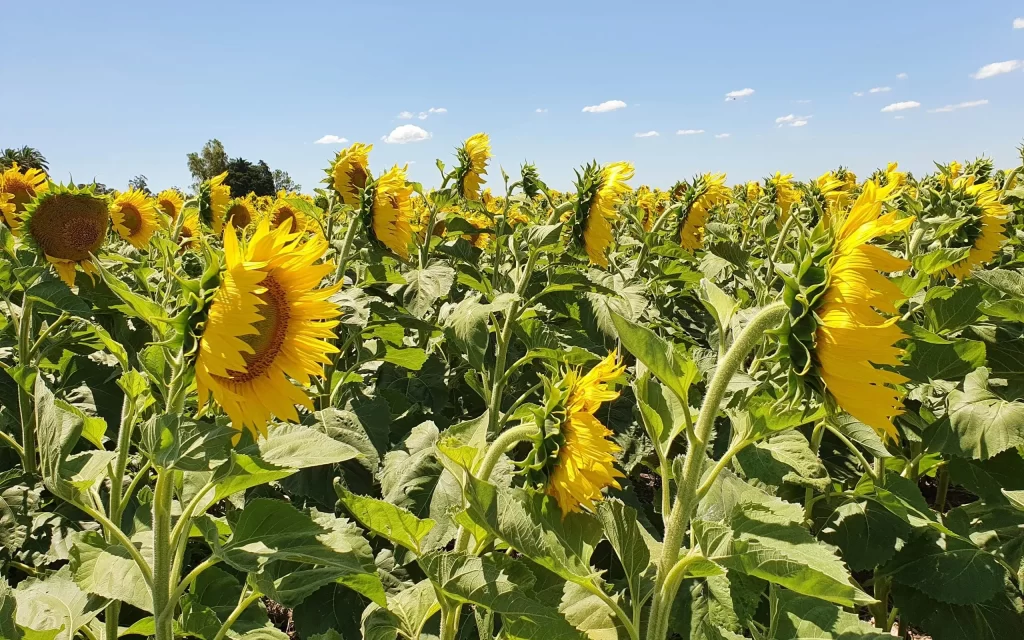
350, 171
852, 337
67, 224
133, 216
269, 324
170, 202
604, 210
786, 195
22, 185
392, 212
475, 153
586, 461
993, 222
711, 193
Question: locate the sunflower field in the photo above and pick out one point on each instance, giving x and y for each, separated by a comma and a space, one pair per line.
776, 410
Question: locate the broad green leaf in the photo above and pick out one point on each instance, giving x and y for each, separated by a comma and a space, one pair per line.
729, 495
298, 447
1000, 618
936, 261
903, 498
720, 304
623, 533
209, 602
177, 442
589, 614
866, 532
265, 633
785, 457
425, 286
385, 519
54, 604
989, 479
766, 416
672, 368
406, 613
1007, 282
408, 358
58, 428
543, 235
982, 423
468, 329
927, 361
108, 570
58, 296
862, 434
1016, 499
803, 618
8, 610
377, 623
242, 472
329, 610
949, 309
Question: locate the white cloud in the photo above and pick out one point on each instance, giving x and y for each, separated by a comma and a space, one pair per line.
997, 68
405, 115
901, 106
689, 132
960, 105
437, 110
781, 119
740, 93
879, 89
792, 120
406, 133
901, 76
1018, 23
858, 93
610, 105
423, 115
799, 123
539, 110
722, 135
331, 139
647, 134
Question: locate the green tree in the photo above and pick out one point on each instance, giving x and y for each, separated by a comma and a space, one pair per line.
245, 177
26, 157
284, 182
211, 161
141, 183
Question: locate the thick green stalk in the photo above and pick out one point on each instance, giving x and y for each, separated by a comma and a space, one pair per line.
239, 609
346, 247
25, 405
116, 506
693, 466
163, 496
645, 251
816, 434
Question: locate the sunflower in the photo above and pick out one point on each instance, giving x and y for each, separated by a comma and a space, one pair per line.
473, 157
785, 194
350, 171
852, 337
170, 202
281, 210
597, 207
23, 185
134, 217
832, 189
709, 191
993, 222
191, 229
67, 224
586, 460
213, 202
240, 212
269, 324
391, 212
7, 208
647, 202
753, 190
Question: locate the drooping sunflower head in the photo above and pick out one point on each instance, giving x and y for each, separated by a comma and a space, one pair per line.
67, 225
350, 171
473, 156
240, 212
982, 222
582, 459
753, 190
22, 185
214, 197
269, 327
847, 177
781, 190
708, 191
829, 193
170, 202
134, 217
388, 211
532, 184
647, 204
842, 321
600, 192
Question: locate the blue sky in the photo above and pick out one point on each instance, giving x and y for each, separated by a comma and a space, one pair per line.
112, 89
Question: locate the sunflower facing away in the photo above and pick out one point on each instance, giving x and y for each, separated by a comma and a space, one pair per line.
67, 224
586, 460
709, 192
391, 212
350, 171
22, 185
269, 325
600, 196
214, 203
753, 191
993, 222
473, 156
785, 193
852, 336
170, 202
133, 216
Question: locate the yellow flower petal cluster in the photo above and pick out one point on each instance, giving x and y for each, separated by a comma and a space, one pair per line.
134, 217
993, 223
7, 208
604, 210
786, 193
22, 185
852, 336
753, 190
241, 212
477, 151
713, 193
835, 193
270, 324
350, 171
191, 228
220, 197
586, 459
392, 212
170, 202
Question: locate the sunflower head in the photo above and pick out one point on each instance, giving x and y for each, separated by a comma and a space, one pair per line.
706, 192
473, 156
532, 184
67, 225
241, 212
349, 172
781, 190
282, 210
191, 232
7, 212
842, 313
268, 330
134, 217
214, 197
967, 219
388, 211
599, 193
170, 202
23, 186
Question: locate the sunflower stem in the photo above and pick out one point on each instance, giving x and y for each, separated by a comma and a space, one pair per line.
116, 503
816, 435
346, 247
239, 609
645, 251
25, 404
163, 496
693, 465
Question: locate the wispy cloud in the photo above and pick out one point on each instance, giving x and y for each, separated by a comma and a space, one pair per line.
722, 135
901, 106
406, 133
792, 120
689, 132
331, 139
799, 123
539, 110
422, 115
960, 105
858, 93
739, 93
879, 89
901, 76
647, 134
1018, 23
997, 68
437, 110
609, 105
405, 115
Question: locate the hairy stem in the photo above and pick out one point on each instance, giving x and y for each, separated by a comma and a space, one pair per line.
25, 404
163, 496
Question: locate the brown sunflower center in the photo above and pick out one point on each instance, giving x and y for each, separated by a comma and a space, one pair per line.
281, 214
167, 207
131, 218
272, 330
357, 178
239, 216
70, 226
23, 193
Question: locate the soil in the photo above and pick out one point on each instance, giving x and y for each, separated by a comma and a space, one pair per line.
281, 618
